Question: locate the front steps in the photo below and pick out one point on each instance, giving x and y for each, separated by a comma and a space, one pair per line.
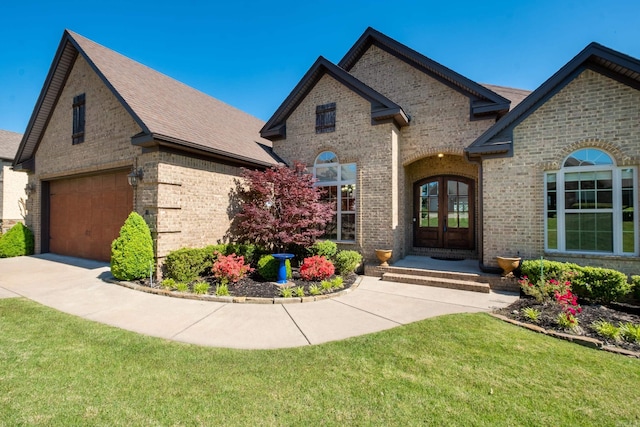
475, 282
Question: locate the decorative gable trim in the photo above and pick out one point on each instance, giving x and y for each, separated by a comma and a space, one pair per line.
382, 108
498, 139
483, 102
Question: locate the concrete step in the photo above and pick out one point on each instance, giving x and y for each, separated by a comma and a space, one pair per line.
457, 275
440, 282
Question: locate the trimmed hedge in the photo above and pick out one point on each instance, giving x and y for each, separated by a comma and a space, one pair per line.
346, 262
18, 241
599, 285
186, 264
132, 251
635, 281
268, 268
325, 248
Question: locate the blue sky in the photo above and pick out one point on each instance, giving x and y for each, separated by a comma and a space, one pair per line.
251, 54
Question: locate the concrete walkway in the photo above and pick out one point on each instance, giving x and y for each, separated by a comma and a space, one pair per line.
76, 286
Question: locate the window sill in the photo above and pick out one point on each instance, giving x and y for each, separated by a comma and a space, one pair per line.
589, 255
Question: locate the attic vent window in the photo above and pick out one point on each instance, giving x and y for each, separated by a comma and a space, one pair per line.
78, 119
326, 118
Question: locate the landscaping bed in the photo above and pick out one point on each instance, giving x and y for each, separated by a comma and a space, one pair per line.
615, 314
253, 286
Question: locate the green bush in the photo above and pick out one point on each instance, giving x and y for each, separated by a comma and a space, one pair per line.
346, 262
268, 268
325, 248
186, 264
132, 251
635, 282
18, 241
248, 251
550, 269
600, 285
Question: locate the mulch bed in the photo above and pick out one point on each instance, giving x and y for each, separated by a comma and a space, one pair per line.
256, 287
614, 314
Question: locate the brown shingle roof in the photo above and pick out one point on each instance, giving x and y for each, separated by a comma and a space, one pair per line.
9, 143
512, 94
165, 109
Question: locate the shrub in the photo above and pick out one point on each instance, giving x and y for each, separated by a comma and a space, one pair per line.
316, 268
299, 291
630, 332
168, 283
186, 264
337, 282
326, 286
222, 290
543, 290
600, 285
201, 288
532, 314
18, 241
229, 268
248, 251
182, 287
132, 251
315, 289
268, 268
346, 262
635, 282
606, 329
286, 292
325, 248
550, 269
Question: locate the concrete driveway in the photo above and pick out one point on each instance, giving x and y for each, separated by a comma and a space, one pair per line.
76, 286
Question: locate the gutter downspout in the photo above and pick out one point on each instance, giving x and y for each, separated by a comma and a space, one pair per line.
483, 268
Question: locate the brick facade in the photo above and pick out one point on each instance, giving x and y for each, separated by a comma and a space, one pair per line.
184, 199
591, 111
389, 159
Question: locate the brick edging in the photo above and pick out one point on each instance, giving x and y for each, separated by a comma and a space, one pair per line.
230, 299
585, 341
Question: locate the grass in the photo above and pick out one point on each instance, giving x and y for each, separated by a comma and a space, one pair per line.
466, 369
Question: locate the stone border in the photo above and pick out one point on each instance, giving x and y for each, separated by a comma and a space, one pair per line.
230, 299
585, 341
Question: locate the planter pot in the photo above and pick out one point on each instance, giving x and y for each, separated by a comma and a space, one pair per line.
508, 264
383, 256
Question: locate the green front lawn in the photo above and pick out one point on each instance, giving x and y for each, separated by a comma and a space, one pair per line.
467, 369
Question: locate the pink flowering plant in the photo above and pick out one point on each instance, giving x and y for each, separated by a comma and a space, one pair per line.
570, 308
316, 268
543, 290
229, 268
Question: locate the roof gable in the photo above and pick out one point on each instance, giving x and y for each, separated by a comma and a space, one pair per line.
9, 143
382, 108
498, 139
483, 100
167, 111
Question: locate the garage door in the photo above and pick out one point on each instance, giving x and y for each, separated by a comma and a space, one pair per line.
86, 214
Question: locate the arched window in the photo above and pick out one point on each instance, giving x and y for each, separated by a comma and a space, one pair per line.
339, 182
590, 205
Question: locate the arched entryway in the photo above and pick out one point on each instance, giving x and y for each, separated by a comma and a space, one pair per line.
444, 212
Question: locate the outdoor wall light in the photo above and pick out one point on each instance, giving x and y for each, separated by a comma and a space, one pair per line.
30, 189
440, 155
135, 177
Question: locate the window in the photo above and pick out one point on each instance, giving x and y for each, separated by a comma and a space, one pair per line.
78, 119
590, 205
339, 182
326, 118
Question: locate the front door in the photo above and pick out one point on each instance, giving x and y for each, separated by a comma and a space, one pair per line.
443, 214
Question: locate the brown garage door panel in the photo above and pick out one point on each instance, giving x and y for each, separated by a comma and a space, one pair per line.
86, 214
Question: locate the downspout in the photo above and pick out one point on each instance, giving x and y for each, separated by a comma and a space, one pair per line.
480, 210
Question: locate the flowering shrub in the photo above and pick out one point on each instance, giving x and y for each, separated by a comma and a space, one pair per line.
543, 290
316, 268
570, 308
229, 268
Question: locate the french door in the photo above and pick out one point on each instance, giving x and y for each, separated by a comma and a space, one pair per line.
443, 212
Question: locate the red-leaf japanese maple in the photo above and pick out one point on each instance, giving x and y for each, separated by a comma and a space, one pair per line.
281, 207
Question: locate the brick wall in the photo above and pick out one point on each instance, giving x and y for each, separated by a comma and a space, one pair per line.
107, 143
355, 140
591, 111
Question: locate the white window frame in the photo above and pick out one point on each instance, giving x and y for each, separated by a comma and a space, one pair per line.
616, 209
338, 183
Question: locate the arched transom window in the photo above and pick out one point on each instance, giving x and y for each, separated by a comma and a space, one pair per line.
339, 182
590, 205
